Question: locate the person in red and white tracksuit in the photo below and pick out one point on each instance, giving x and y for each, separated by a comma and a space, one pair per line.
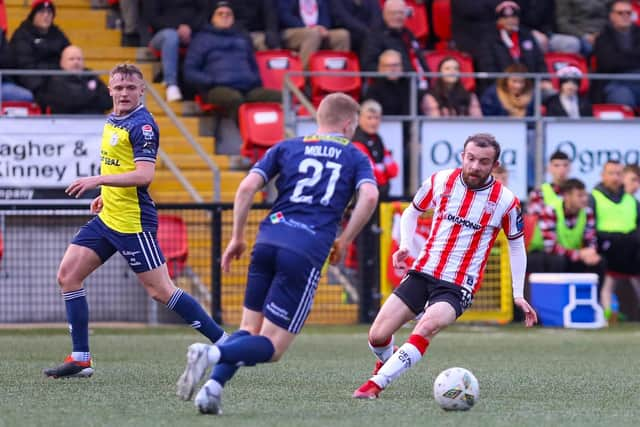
469, 209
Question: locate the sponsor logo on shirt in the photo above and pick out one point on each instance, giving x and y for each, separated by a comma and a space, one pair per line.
147, 132
464, 222
276, 217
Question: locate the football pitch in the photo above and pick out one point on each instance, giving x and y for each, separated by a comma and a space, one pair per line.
539, 377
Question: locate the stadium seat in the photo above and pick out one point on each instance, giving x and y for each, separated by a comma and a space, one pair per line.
261, 126
20, 108
417, 20
332, 61
557, 60
612, 111
433, 58
635, 4
3, 16
172, 238
274, 64
441, 10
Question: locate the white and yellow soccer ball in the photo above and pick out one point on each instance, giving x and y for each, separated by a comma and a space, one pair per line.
456, 389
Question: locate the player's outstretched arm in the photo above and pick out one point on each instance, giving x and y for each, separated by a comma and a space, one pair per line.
140, 177
364, 208
241, 206
518, 259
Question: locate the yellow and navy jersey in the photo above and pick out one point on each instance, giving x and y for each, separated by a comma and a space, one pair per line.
126, 140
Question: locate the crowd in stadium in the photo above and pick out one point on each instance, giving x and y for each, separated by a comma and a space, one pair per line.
208, 50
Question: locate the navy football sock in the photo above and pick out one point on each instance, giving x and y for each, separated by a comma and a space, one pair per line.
247, 351
78, 318
193, 313
223, 372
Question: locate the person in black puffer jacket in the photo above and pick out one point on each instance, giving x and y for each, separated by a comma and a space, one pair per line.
37, 44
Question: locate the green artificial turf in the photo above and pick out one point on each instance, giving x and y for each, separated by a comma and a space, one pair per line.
538, 377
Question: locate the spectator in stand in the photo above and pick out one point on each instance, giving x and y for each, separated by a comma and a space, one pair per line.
392, 90
617, 50
173, 22
74, 93
358, 17
510, 43
395, 35
130, 13
368, 140
471, 21
9, 90
221, 64
501, 174
567, 241
37, 44
539, 16
306, 27
617, 220
550, 193
260, 19
578, 23
510, 96
568, 102
631, 179
447, 96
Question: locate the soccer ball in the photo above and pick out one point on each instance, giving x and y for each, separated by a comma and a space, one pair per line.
456, 389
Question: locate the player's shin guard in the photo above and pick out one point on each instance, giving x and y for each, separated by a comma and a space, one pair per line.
407, 356
243, 351
78, 317
223, 372
193, 313
382, 351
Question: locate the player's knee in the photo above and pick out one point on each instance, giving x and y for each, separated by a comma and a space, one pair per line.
377, 338
66, 282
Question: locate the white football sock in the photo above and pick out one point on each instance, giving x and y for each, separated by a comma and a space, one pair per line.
213, 354
384, 352
403, 359
81, 356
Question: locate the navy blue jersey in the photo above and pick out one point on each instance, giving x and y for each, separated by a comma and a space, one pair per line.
317, 177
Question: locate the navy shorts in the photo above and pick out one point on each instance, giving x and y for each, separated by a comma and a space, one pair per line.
416, 289
140, 250
281, 284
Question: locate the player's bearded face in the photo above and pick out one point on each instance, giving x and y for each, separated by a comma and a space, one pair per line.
477, 164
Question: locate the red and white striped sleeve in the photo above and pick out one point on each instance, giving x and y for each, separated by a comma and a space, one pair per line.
423, 199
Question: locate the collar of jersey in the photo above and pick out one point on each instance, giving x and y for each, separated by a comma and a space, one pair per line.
114, 117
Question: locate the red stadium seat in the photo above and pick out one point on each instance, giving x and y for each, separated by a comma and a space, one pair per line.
530, 222
3, 16
557, 60
172, 238
635, 4
274, 64
20, 108
261, 126
441, 10
612, 111
417, 20
466, 64
205, 107
332, 61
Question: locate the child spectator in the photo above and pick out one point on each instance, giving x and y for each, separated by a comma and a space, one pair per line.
568, 102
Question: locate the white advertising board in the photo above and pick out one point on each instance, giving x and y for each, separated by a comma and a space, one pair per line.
442, 143
590, 144
391, 133
48, 152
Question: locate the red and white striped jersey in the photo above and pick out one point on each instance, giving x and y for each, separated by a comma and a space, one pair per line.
466, 223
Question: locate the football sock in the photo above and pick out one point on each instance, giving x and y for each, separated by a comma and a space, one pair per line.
383, 351
407, 356
193, 313
223, 372
243, 351
78, 318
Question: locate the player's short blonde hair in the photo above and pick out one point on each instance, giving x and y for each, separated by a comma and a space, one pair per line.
126, 70
335, 108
